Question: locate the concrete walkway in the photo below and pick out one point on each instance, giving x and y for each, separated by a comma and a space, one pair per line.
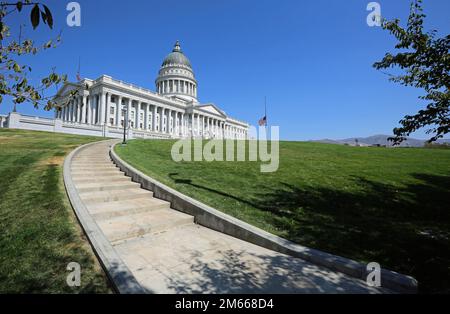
168, 253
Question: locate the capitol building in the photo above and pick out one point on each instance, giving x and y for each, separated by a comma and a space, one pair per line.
106, 106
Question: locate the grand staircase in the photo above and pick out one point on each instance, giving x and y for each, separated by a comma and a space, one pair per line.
168, 253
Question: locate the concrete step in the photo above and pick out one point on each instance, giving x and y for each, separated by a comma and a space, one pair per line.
96, 167
101, 180
91, 162
103, 176
108, 186
136, 225
111, 196
94, 171
95, 160
104, 156
102, 211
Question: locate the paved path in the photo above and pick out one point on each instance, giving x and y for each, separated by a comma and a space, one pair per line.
168, 253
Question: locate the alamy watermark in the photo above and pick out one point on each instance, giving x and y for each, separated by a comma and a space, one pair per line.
374, 17
373, 278
74, 277
231, 150
74, 17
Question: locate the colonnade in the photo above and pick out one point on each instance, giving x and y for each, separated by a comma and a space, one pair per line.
109, 109
177, 86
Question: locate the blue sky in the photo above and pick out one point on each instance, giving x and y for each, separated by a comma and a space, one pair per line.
312, 59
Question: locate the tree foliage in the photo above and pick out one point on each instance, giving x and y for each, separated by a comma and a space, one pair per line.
425, 62
14, 76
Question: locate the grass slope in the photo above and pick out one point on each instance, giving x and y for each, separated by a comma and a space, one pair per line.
39, 232
370, 204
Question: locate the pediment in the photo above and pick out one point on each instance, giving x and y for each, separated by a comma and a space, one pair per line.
66, 89
212, 109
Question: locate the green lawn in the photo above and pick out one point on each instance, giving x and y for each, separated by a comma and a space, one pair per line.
369, 204
39, 232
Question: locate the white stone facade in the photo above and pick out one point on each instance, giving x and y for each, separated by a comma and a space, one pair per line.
171, 112
3, 119
103, 107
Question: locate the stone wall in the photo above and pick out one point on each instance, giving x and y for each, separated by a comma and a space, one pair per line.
25, 122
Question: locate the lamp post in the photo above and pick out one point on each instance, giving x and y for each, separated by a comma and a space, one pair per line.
125, 119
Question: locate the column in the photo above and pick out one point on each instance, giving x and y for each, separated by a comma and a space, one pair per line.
108, 106
72, 111
68, 111
161, 120
138, 115
83, 109
154, 119
102, 108
145, 116
69, 114
168, 123
95, 113
91, 109
167, 113
179, 123
198, 124
127, 117
88, 109
183, 131
118, 110
203, 126
78, 110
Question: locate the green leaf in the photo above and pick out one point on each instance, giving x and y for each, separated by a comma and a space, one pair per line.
44, 17
19, 6
49, 16
16, 67
35, 15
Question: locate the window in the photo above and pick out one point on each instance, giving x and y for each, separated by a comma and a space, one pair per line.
140, 125
111, 121
111, 111
121, 123
141, 116
113, 99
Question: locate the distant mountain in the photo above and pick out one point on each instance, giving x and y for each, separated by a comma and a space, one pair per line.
381, 140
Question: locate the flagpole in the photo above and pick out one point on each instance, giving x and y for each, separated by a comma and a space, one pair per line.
265, 111
79, 66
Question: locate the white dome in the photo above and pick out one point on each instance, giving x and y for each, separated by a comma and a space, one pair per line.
176, 77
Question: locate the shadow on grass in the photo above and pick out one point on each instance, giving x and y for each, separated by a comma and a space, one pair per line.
404, 228
205, 188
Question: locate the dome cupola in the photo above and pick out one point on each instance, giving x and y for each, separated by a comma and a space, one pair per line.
176, 77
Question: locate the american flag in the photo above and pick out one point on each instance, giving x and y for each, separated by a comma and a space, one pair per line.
263, 121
